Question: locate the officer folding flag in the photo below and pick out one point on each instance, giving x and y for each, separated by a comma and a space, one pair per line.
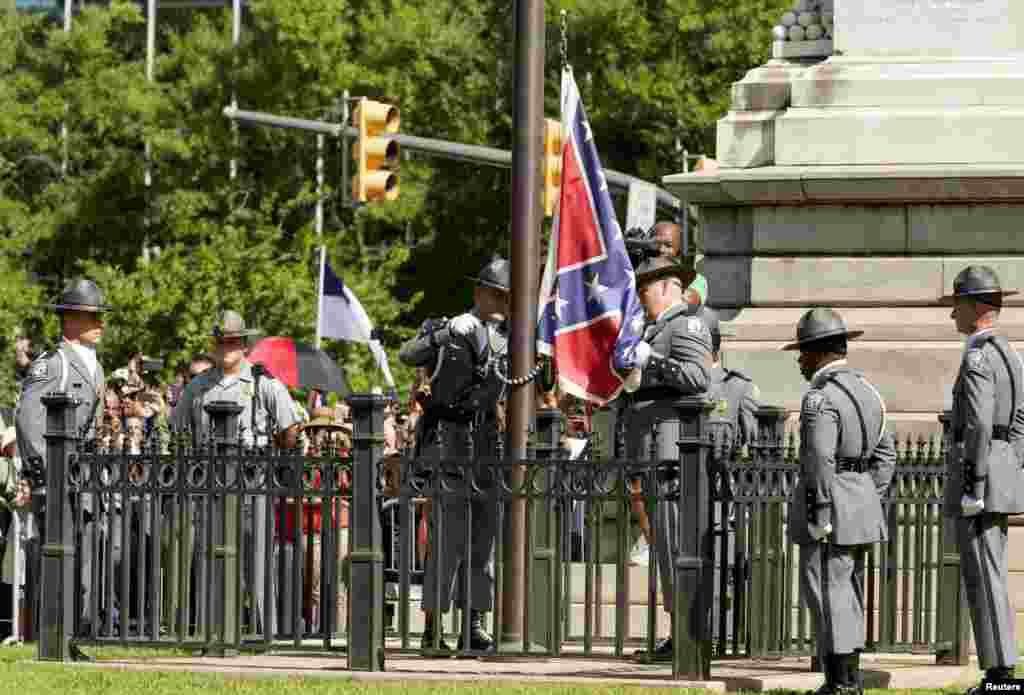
341, 316
589, 314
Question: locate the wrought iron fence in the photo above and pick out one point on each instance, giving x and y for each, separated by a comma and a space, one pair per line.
200, 544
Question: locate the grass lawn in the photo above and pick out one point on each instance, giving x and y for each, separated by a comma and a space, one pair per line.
20, 676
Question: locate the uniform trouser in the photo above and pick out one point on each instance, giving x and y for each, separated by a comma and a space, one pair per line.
832, 584
444, 563
111, 526
984, 566
254, 519
666, 538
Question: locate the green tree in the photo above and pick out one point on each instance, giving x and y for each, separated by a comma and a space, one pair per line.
171, 253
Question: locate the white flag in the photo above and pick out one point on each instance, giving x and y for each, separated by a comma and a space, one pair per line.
343, 317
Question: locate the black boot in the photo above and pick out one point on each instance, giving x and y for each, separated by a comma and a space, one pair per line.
830, 667
427, 643
999, 673
663, 651
848, 676
479, 640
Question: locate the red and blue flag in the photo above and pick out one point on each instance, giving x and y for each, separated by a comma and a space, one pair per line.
589, 315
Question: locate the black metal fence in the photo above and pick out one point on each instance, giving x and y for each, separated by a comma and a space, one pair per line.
219, 546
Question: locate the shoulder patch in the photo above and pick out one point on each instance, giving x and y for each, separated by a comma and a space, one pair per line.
755, 392
813, 402
975, 358
37, 370
695, 325
721, 407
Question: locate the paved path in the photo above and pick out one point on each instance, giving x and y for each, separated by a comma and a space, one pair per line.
881, 671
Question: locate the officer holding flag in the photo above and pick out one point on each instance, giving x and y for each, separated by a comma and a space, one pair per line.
461, 418
673, 359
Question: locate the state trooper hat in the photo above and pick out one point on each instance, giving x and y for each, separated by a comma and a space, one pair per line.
818, 324
81, 294
497, 275
976, 280
653, 268
230, 324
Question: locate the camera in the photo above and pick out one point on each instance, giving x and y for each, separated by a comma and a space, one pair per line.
149, 366
642, 244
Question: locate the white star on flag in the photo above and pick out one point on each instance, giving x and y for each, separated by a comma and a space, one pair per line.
590, 134
596, 288
559, 303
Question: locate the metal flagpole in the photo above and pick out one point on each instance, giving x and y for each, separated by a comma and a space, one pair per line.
320, 234
236, 35
150, 64
64, 123
320, 298
527, 218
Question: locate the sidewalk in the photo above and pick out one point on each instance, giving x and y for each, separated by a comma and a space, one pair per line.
880, 670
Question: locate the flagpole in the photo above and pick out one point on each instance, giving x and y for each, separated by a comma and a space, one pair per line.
320, 298
527, 151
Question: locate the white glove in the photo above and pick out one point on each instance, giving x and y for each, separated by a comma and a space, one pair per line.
633, 381
819, 533
642, 352
462, 325
971, 506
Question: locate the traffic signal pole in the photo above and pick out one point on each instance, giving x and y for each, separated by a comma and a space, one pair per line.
475, 154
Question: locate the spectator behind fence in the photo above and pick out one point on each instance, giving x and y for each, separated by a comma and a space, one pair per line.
325, 437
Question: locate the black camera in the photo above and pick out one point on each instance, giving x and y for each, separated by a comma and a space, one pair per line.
150, 365
642, 244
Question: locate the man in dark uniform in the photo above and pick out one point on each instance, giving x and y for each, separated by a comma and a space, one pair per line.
460, 418
673, 360
985, 483
733, 421
71, 368
847, 459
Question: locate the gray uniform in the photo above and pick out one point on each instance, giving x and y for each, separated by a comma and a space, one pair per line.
732, 423
274, 413
988, 435
460, 419
682, 339
847, 460
60, 370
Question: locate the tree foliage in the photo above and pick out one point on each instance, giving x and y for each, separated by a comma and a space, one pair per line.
196, 239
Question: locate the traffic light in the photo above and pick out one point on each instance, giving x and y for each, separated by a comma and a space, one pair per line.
552, 164
375, 153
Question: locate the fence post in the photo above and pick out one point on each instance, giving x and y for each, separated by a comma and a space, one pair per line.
694, 565
226, 636
57, 604
545, 604
366, 633
953, 633
769, 543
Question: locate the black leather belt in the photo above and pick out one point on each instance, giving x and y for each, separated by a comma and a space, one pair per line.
1000, 433
847, 465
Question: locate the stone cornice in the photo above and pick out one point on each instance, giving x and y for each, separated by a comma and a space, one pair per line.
896, 184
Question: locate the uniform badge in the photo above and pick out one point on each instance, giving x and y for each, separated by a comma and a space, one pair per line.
694, 325
38, 369
975, 359
813, 402
247, 390
755, 393
721, 407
